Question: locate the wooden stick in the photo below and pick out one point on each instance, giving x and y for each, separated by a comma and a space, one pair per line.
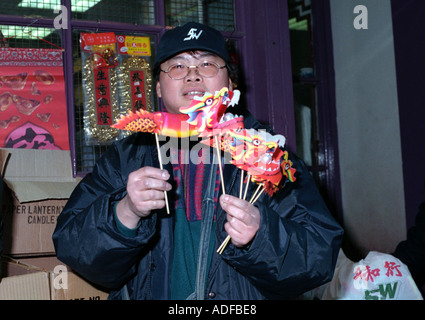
219, 163
248, 180
223, 245
160, 165
258, 195
255, 193
240, 188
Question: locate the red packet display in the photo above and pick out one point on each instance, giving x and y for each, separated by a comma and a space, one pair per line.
33, 113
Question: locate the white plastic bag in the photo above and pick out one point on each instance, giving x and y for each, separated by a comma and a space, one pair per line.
379, 276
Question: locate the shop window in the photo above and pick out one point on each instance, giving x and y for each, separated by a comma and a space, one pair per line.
125, 11
29, 37
29, 8
218, 14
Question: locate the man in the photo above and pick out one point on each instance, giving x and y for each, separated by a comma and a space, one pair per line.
114, 230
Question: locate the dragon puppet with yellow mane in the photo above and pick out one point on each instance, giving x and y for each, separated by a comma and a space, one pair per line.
204, 117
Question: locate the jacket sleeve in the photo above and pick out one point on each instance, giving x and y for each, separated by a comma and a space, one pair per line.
86, 237
296, 247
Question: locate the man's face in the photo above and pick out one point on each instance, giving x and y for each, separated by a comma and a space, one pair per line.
180, 93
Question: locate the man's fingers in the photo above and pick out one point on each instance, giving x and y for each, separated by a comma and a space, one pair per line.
150, 178
151, 194
238, 208
150, 172
155, 184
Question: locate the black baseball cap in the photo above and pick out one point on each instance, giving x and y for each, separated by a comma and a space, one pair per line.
191, 37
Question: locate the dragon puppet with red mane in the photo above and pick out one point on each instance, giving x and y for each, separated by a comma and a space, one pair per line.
260, 154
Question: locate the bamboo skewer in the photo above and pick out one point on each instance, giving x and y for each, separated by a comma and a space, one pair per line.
161, 166
255, 193
219, 163
248, 179
258, 195
241, 185
223, 245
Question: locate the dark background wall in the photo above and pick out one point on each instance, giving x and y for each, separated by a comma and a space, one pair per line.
409, 43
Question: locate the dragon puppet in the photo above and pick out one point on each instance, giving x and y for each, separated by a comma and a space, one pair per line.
204, 117
260, 154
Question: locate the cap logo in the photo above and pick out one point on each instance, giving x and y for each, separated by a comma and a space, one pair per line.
192, 34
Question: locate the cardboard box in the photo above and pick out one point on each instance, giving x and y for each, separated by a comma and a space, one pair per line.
28, 227
37, 186
45, 278
74, 288
23, 282
33, 286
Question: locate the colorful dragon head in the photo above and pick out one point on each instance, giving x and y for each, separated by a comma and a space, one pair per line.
255, 151
260, 154
208, 113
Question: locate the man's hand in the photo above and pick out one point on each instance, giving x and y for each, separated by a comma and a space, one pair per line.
145, 192
243, 219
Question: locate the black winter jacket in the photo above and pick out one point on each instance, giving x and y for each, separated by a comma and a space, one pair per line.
295, 249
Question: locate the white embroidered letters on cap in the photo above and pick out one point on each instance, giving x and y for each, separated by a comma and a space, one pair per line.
192, 34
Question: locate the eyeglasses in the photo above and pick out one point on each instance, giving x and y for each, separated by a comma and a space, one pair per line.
206, 69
